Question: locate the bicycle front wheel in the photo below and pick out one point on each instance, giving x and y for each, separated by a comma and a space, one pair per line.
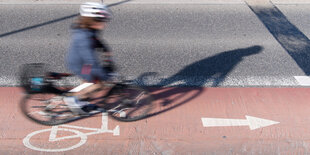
46, 109
133, 103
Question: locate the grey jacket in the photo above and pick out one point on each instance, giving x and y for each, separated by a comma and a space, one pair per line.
82, 59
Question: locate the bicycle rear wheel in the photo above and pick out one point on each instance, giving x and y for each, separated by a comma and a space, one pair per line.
132, 103
46, 109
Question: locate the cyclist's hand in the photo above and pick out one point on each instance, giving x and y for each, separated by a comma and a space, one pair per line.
108, 63
109, 67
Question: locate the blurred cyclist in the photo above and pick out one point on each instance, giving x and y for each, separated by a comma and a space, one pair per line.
82, 59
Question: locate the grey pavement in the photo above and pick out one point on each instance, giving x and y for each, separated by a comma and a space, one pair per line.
183, 44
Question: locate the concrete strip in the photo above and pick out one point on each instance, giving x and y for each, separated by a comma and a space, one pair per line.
125, 1
303, 80
277, 2
46, 1
241, 81
186, 2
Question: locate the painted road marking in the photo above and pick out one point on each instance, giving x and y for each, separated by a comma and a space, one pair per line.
27, 143
252, 122
53, 133
83, 136
303, 80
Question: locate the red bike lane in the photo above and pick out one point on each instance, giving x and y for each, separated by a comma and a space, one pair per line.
184, 121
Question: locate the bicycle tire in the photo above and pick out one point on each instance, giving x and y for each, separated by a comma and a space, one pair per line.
136, 110
53, 116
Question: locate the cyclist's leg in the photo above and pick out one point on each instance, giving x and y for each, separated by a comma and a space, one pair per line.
78, 101
89, 92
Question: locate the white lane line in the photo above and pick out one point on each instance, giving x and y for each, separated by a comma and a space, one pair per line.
303, 80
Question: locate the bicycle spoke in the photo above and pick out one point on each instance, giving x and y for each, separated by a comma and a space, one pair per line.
46, 109
142, 94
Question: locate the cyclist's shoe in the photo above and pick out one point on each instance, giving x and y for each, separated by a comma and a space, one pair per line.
128, 103
92, 108
76, 106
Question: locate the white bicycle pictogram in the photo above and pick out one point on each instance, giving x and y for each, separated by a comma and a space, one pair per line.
70, 128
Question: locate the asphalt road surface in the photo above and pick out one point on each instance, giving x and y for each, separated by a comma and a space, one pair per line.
180, 44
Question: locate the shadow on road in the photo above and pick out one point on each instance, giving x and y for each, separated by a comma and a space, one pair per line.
53, 21
214, 69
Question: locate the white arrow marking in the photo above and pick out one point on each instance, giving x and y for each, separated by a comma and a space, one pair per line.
252, 122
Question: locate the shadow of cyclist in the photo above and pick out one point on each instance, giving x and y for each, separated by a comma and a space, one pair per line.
212, 69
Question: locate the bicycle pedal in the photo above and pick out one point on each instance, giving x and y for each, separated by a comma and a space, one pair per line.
122, 114
98, 110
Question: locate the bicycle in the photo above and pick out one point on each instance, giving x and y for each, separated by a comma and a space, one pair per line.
124, 101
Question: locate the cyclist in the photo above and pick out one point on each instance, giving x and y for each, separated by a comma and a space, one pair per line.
82, 59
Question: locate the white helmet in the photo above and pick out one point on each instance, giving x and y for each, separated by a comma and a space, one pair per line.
97, 10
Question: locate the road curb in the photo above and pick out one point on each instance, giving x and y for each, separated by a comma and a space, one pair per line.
46, 1
123, 1
226, 2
